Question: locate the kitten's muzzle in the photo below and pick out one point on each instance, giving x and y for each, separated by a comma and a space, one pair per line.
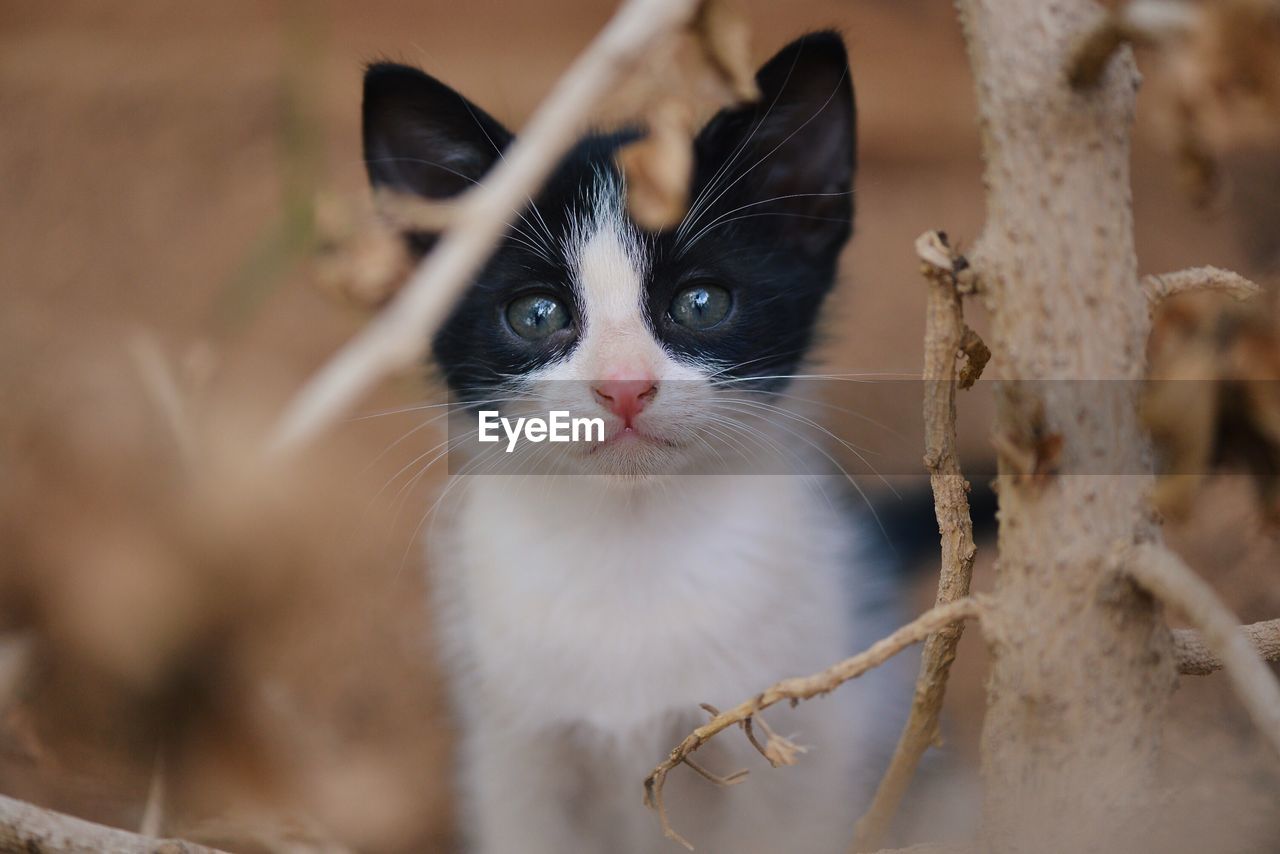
625, 398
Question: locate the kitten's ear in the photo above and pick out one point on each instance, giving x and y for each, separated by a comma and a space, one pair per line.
422, 137
796, 145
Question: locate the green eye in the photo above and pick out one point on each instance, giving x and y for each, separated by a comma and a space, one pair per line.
537, 316
700, 306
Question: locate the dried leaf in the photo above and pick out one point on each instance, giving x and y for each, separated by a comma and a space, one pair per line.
407, 212
780, 750
659, 167
363, 259
1214, 399
725, 37
976, 355
1223, 66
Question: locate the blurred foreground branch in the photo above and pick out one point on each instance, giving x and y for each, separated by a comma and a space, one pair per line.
28, 828
1163, 574
398, 337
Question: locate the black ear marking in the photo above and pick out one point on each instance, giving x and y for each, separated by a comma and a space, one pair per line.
795, 145
423, 137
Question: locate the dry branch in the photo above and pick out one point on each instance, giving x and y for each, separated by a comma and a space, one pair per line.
397, 338
946, 336
1163, 574
795, 690
1195, 658
25, 827
1158, 287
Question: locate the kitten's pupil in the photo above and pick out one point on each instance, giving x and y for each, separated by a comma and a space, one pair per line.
537, 316
700, 306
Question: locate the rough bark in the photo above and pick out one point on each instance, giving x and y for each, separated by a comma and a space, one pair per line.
1082, 669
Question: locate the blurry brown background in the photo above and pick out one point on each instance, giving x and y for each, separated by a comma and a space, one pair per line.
158, 161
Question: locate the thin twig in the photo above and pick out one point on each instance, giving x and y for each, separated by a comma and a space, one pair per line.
749, 728
26, 827
720, 780
397, 338
1195, 658
802, 688
1165, 285
1163, 574
946, 336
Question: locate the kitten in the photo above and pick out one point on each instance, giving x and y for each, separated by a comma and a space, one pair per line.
586, 613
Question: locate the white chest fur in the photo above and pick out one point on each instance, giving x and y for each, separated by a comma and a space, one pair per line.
576, 599
574, 610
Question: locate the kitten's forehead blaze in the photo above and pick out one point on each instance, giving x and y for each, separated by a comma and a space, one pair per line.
609, 264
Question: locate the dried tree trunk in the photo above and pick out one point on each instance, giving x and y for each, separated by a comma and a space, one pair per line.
1082, 668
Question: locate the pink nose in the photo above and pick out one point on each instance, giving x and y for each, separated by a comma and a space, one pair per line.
625, 398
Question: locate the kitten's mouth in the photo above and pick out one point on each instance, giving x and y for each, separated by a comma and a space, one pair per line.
630, 435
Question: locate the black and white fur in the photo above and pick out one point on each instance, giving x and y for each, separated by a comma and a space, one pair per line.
587, 613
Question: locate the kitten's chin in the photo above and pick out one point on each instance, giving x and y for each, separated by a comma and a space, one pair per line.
634, 458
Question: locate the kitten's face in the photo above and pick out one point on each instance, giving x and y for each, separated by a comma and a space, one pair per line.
663, 335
